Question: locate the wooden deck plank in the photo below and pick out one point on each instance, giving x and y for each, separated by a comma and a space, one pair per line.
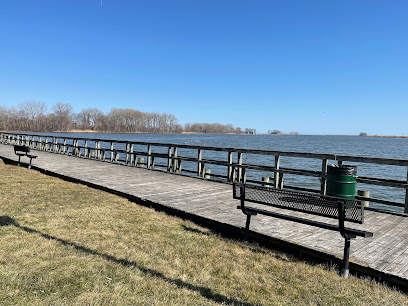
387, 251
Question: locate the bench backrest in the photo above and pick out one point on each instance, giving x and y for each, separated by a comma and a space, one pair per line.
24, 149
315, 204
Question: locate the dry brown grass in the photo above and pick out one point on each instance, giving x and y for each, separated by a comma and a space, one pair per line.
65, 243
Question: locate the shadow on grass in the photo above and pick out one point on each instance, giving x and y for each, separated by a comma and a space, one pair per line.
252, 249
194, 230
204, 291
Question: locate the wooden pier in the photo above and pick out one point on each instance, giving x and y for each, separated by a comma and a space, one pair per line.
384, 256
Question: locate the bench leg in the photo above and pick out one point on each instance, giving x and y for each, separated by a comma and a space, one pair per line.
246, 234
29, 165
344, 271
19, 157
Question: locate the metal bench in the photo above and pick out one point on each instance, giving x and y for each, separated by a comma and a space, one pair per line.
23, 151
326, 206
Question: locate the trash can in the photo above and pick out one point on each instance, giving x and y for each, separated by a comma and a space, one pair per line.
341, 181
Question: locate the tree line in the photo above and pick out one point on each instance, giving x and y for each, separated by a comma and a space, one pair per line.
32, 116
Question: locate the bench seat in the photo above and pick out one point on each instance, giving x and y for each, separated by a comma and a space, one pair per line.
342, 209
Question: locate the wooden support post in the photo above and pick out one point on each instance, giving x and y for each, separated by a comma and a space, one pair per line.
140, 161
96, 149
99, 151
240, 164
76, 148
46, 143
276, 173
65, 146
86, 148
149, 157
207, 174
323, 177
406, 197
169, 159
174, 160
54, 144
265, 180
127, 153
132, 157
111, 152
199, 164
229, 174
365, 194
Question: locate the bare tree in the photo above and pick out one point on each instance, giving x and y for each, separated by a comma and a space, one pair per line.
63, 115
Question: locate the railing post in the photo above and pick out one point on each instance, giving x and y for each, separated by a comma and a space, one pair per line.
149, 156
199, 165
86, 148
99, 150
111, 151
169, 157
240, 169
174, 160
406, 196
323, 177
229, 175
365, 194
127, 153
76, 147
132, 157
265, 181
276, 173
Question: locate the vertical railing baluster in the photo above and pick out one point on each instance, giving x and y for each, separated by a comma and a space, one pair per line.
111, 152
132, 157
169, 157
323, 177
229, 173
174, 160
86, 148
276, 172
127, 153
149, 156
406, 196
199, 164
240, 168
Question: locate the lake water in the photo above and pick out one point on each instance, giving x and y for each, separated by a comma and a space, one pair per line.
342, 145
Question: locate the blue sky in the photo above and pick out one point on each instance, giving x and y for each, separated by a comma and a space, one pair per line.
316, 67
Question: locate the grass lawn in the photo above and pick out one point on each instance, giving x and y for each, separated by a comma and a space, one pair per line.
65, 243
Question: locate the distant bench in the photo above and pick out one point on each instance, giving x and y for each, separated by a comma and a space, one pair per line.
326, 206
23, 151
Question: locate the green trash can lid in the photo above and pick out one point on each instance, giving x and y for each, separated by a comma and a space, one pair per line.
342, 170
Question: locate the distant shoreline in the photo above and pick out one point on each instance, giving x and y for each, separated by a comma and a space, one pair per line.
379, 136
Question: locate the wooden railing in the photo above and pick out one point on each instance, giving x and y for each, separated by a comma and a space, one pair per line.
168, 157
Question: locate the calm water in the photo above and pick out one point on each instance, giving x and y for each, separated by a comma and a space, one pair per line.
347, 145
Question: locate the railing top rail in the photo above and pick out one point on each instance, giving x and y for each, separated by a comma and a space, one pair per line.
337, 157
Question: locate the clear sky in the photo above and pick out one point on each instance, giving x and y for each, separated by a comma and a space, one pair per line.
316, 67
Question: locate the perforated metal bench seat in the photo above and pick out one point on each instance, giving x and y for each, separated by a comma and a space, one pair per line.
342, 209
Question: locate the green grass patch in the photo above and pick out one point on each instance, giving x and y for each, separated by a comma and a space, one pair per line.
65, 243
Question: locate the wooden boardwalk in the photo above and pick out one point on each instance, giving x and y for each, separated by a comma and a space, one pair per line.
385, 255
